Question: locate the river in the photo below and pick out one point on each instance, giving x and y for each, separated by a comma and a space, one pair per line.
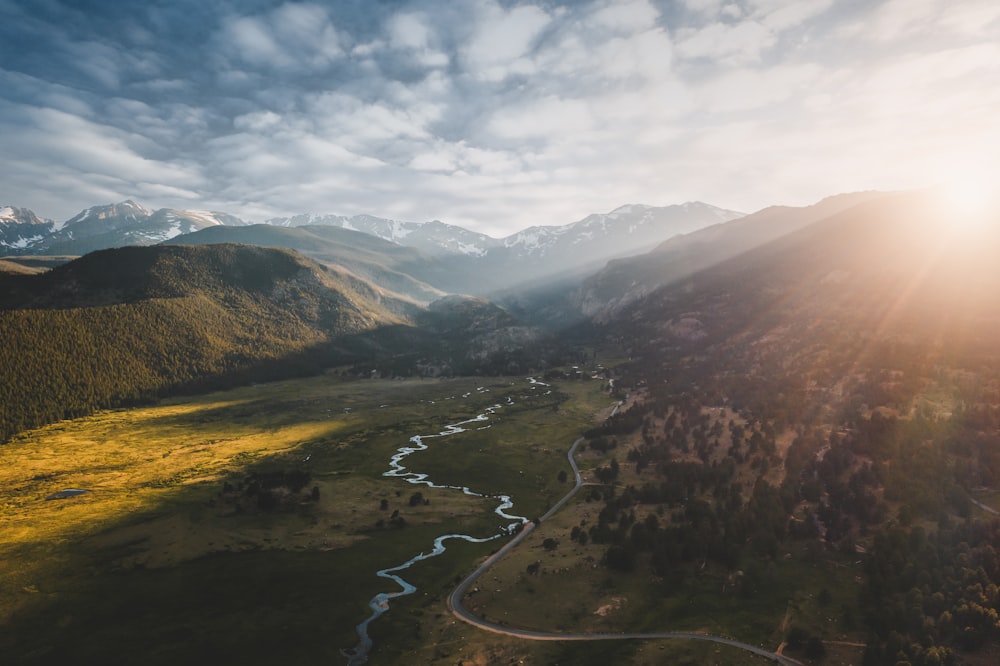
379, 604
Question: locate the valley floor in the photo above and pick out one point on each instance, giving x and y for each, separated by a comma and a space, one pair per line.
248, 525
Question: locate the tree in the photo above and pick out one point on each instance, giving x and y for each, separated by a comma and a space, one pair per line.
815, 648
550, 544
562, 476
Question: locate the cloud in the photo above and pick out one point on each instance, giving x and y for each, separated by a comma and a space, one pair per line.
549, 118
501, 40
291, 36
488, 113
731, 44
745, 89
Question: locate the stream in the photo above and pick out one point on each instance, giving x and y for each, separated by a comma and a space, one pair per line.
379, 604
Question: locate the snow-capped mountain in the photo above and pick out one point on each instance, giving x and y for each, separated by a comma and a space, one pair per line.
623, 230
21, 230
125, 223
466, 261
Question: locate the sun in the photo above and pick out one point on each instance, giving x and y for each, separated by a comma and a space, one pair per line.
971, 198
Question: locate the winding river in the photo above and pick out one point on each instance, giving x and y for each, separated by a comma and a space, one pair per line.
379, 604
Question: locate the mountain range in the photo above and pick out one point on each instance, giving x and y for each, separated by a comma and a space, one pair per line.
456, 253
802, 387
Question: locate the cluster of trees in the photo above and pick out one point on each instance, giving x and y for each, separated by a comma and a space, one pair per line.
927, 595
679, 527
270, 490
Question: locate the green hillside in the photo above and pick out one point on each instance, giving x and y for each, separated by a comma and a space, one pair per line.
123, 326
398, 269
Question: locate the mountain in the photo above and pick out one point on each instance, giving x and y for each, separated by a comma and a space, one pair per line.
21, 230
451, 259
603, 295
830, 397
124, 224
576, 249
381, 262
125, 325
817, 311
479, 264
432, 237
424, 260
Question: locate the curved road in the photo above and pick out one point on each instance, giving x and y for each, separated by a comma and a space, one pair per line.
456, 608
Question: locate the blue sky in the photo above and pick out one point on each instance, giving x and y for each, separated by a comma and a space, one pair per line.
492, 115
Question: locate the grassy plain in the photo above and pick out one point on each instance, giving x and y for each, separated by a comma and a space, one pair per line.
154, 561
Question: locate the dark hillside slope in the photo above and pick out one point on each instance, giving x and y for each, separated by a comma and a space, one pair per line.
121, 326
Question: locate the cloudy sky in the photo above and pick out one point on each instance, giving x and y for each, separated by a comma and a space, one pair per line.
490, 114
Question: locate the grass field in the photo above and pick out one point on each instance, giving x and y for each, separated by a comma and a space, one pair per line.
157, 561
154, 561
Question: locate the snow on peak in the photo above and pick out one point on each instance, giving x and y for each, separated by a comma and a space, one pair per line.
205, 216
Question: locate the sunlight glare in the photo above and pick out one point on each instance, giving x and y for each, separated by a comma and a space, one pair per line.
971, 198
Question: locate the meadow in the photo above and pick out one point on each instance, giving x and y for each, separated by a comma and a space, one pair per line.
162, 557
168, 556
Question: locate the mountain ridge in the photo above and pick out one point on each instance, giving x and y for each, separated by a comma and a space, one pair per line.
457, 260
433, 235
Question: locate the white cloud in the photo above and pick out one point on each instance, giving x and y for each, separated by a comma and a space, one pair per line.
501, 39
409, 30
413, 33
730, 44
647, 55
494, 113
292, 37
549, 118
707, 7
745, 89
785, 16
974, 17
627, 17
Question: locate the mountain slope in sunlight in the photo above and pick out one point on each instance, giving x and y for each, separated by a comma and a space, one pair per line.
835, 303
624, 281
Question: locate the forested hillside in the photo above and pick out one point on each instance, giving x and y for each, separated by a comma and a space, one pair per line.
402, 270
837, 388
123, 326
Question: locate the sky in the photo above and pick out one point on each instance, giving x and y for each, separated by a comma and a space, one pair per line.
488, 114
